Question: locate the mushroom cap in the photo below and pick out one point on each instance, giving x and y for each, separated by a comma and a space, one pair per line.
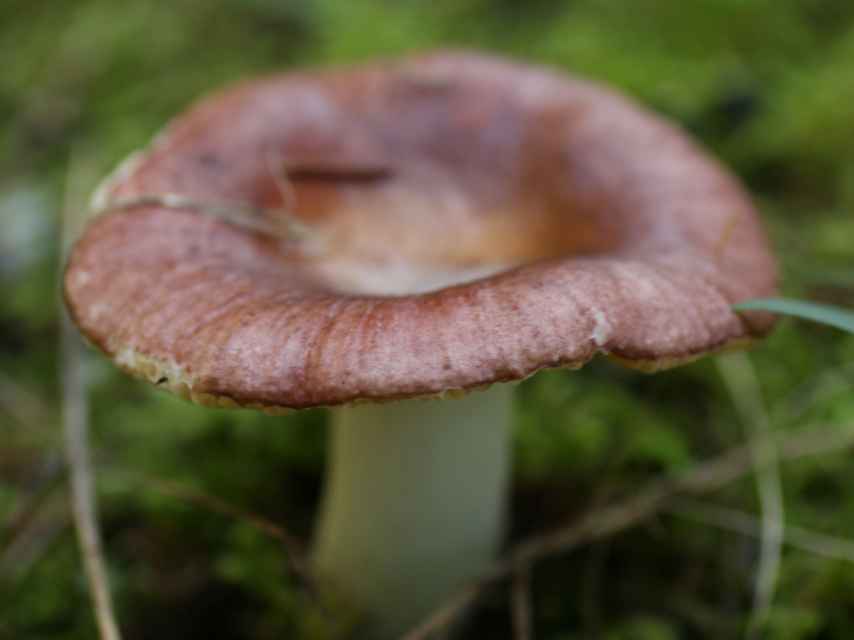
469, 220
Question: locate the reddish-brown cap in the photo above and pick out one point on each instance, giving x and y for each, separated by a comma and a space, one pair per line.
467, 221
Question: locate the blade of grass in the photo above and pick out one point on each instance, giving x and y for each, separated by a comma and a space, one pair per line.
821, 313
741, 382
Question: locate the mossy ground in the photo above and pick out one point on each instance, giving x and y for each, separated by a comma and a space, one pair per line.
768, 85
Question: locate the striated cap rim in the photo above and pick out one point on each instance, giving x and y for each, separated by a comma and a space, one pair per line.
469, 221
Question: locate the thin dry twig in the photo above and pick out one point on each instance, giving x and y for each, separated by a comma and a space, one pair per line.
279, 223
297, 230
294, 549
277, 169
730, 226
34, 536
741, 381
747, 524
22, 404
704, 478
521, 605
30, 499
240, 215
75, 420
820, 388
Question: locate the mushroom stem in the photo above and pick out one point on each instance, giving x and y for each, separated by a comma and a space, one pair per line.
414, 504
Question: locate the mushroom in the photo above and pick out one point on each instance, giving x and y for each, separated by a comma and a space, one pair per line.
389, 237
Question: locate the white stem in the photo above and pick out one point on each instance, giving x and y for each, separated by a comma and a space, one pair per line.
414, 504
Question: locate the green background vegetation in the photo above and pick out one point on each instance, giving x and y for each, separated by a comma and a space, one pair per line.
767, 85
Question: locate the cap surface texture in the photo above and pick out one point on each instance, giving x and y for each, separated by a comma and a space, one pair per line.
468, 220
